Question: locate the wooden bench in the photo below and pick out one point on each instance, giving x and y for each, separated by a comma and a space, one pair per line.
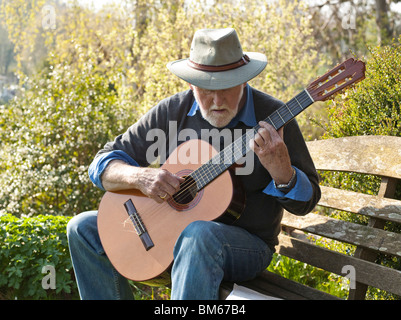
373, 155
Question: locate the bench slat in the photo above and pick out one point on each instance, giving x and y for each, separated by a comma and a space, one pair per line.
366, 272
376, 155
370, 238
369, 205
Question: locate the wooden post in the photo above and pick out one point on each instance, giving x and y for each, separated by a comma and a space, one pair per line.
387, 190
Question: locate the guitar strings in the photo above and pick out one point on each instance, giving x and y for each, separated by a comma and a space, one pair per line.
184, 187
185, 192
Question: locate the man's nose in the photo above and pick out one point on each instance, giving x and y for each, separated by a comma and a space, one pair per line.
218, 98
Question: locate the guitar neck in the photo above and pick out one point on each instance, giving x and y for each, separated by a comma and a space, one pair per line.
240, 147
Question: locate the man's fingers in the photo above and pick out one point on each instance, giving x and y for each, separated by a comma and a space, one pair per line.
264, 137
168, 184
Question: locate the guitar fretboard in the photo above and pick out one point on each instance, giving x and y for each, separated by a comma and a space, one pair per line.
240, 147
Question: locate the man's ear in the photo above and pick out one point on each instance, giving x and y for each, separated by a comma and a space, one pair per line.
191, 86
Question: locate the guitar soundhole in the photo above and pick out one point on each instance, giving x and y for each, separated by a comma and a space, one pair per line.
188, 196
187, 192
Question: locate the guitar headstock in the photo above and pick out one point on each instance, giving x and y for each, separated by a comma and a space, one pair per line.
349, 72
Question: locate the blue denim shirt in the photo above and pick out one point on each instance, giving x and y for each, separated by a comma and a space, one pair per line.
302, 191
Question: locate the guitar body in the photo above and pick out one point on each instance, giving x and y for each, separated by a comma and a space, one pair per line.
164, 222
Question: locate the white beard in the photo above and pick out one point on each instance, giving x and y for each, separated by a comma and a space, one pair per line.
217, 120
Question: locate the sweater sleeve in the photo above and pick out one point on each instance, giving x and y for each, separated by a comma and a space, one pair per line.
146, 141
302, 191
100, 163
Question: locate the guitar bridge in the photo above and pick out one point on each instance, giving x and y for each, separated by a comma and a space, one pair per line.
138, 225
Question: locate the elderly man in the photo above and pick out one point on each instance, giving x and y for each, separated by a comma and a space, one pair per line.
206, 252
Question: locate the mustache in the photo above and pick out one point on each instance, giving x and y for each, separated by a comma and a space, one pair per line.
213, 107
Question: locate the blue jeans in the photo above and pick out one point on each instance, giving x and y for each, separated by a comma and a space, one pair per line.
205, 253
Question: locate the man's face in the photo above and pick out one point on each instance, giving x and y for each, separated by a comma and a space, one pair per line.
219, 107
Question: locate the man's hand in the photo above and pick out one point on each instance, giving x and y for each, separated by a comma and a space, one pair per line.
157, 184
268, 144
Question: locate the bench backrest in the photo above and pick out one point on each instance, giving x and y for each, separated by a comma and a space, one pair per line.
373, 155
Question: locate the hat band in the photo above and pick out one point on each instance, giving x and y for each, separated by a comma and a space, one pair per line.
202, 67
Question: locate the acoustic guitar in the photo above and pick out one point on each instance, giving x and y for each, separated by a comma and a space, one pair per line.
138, 234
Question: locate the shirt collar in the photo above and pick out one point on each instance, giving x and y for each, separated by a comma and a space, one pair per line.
246, 115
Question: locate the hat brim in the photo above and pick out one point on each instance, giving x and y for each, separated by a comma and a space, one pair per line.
219, 80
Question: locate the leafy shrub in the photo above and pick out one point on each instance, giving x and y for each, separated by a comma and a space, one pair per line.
373, 106
26, 246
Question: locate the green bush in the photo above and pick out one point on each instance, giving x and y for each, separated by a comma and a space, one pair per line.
373, 106
27, 245
48, 137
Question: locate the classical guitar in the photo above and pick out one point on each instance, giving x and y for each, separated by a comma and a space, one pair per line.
138, 234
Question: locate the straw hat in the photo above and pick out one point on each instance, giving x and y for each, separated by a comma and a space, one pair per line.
217, 61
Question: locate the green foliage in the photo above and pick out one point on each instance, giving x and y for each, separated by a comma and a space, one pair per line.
26, 246
309, 275
49, 135
373, 106
143, 291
